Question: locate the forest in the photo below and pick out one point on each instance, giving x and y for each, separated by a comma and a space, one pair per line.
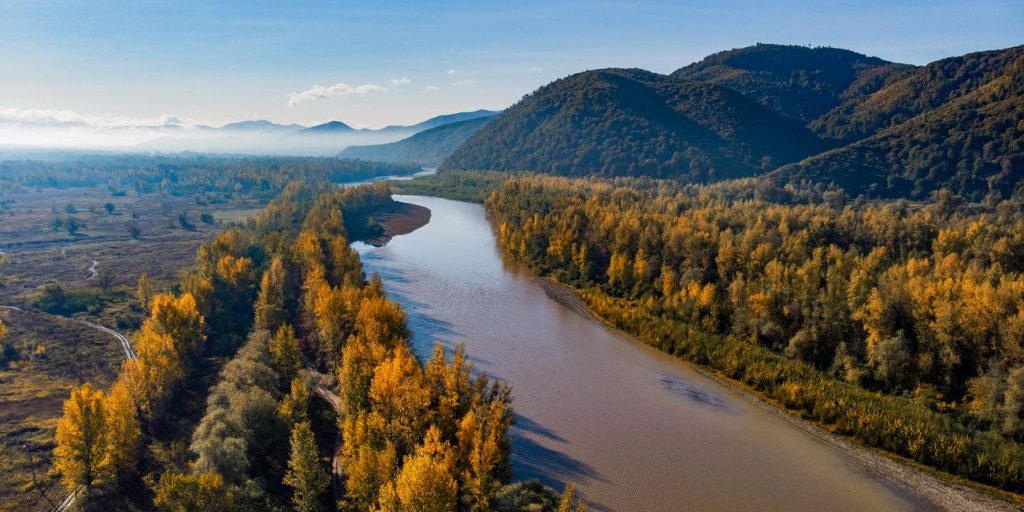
270, 349
789, 114
184, 174
899, 324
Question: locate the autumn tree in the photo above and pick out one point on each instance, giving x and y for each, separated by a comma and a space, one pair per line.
156, 370
398, 401
144, 291
82, 439
426, 483
123, 431
188, 492
569, 503
179, 318
306, 475
270, 303
295, 405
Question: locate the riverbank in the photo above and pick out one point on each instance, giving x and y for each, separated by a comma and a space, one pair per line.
396, 219
928, 488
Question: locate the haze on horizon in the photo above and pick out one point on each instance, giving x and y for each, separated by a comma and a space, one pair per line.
170, 68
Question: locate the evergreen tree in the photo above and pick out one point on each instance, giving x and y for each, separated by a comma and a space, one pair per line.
306, 476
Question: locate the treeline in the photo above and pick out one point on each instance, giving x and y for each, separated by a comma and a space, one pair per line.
414, 436
185, 175
901, 325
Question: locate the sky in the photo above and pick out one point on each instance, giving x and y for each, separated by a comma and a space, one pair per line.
371, 64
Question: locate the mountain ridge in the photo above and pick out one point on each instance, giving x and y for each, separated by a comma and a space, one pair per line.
823, 116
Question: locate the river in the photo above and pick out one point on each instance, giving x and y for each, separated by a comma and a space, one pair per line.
635, 429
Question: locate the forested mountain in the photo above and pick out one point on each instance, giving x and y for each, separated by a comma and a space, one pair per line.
826, 116
913, 92
428, 148
964, 131
795, 81
633, 122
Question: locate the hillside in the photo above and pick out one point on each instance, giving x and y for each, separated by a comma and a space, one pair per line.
795, 81
427, 148
962, 128
615, 122
820, 115
442, 120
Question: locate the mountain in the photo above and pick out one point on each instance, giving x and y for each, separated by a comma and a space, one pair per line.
427, 148
821, 116
260, 125
914, 92
614, 122
327, 128
442, 120
798, 82
957, 123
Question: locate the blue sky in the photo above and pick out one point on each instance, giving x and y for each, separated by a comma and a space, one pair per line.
400, 62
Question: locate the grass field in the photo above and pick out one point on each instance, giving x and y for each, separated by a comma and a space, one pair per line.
102, 259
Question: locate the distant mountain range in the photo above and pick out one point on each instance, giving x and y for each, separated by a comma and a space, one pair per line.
266, 137
789, 113
428, 148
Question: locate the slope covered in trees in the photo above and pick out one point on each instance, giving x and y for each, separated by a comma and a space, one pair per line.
823, 116
428, 148
615, 122
963, 130
898, 325
796, 81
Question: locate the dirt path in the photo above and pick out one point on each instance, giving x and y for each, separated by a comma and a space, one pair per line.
325, 392
906, 480
129, 353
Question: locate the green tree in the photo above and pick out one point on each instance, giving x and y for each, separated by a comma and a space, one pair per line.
285, 354
306, 475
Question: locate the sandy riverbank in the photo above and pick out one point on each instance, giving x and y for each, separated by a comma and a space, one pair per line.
398, 219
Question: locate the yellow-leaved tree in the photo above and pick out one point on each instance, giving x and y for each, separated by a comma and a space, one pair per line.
123, 430
80, 454
270, 307
426, 483
188, 492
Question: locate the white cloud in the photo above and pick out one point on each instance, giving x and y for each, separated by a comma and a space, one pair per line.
430, 88
536, 69
319, 92
400, 81
54, 117
451, 72
465, 83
